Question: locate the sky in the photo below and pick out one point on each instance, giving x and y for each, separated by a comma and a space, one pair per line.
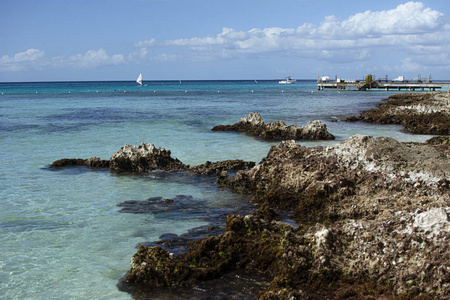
84, 40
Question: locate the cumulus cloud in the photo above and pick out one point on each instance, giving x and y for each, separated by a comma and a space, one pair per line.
21, 60
138, 55
407, 28
408, 18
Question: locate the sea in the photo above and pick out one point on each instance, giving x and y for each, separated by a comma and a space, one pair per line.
62, 233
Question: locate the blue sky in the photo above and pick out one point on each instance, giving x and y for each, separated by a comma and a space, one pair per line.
59, 40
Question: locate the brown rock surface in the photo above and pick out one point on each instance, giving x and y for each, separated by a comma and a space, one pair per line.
209, 168
254, 125
92, 162
145, 157
423, 113
372, 219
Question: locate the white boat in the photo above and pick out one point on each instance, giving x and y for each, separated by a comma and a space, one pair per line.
139, 80
399, 78
287, 80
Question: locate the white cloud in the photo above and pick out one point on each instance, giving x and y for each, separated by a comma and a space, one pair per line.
408, 18
147, 43
92, 58
404, 29
34, 59
138, 55
21, 61
415, 35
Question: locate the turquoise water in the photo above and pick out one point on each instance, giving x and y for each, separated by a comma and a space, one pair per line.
61, 233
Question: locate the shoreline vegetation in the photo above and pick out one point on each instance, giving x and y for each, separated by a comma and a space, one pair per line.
370, 216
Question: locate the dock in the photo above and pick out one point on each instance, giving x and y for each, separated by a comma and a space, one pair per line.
368, 84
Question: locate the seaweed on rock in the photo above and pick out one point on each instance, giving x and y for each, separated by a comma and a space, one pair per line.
372, 220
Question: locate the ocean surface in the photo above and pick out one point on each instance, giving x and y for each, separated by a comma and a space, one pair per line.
62, 235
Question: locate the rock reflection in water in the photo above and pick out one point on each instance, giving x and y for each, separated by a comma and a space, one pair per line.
235, 285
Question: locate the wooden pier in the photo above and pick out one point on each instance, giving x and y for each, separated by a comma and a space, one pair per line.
364, 85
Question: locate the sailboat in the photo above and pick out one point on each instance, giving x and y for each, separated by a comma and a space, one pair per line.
139, 80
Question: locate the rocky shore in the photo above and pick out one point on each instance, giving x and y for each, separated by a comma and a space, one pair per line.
421, 113
372, 219
254, 125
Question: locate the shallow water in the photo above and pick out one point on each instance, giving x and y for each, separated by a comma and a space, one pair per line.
62, 234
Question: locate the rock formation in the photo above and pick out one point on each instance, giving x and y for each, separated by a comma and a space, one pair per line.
93, 162
372, 219
372, 215
209, 168
423, 113
253, 124
145, 157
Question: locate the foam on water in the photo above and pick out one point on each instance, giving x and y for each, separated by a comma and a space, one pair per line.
61, 232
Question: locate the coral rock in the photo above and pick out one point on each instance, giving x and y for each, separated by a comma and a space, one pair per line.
254, 125
145, 157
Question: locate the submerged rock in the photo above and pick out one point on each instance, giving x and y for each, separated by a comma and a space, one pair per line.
145, 157
253, 124
181, 203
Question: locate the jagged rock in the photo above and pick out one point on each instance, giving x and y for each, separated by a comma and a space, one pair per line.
252, 118
369, 212
316, 130
375, 193
422, 113
253, 124
145, 157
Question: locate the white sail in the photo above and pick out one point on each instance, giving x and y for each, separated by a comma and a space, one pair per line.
139, 80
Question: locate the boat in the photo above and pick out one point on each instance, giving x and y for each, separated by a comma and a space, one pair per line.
399, 78
139, 80
287, 80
